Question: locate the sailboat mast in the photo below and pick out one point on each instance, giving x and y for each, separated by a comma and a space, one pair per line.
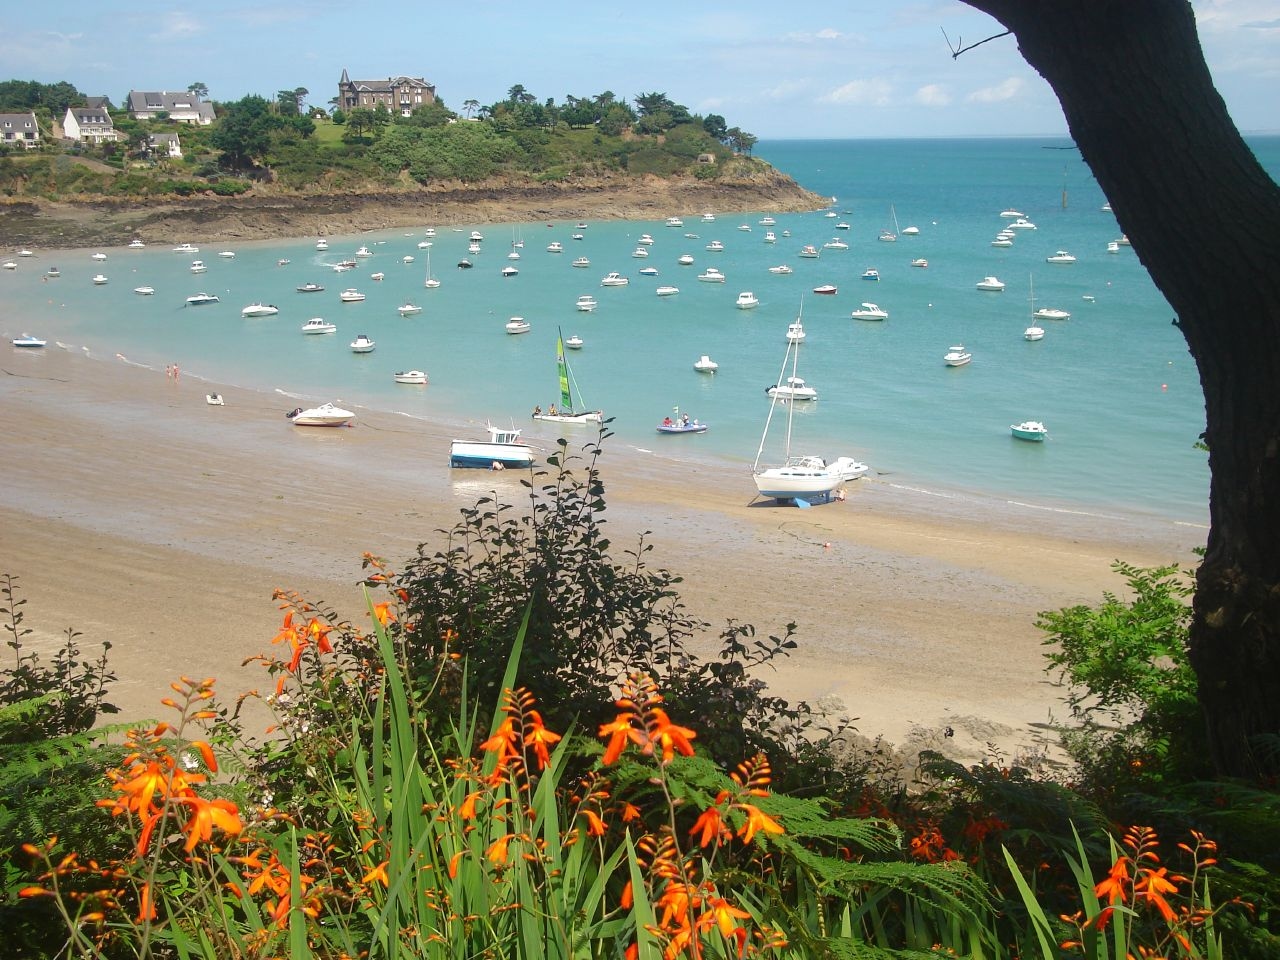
773, 402
791, 401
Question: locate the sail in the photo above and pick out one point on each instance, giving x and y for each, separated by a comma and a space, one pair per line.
566, 398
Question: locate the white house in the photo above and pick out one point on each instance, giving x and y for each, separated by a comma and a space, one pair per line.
164, 145
89, 124
181, 107
19, 129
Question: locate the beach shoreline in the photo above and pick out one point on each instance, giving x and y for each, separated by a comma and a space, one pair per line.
134, 512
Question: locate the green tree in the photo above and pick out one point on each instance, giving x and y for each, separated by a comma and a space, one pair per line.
1142, 108
715, 126
199, 89
359, 122
244, 132
469, 107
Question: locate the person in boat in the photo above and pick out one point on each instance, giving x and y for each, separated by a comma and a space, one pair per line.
666, 421
537, 409
684, 420
551, 411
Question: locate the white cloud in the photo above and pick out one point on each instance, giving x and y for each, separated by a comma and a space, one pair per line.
178, 26
1005, 90
873, 92
933, 95
823, 34
782, 91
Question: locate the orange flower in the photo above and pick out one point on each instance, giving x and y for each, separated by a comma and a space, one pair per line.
497, 852
383, 612
467, 810
206, 815
1152, 885
378, 873
724, 915
618, 732
539, 737
756, 820
1114, 889
595, 826
709, 825
669, 736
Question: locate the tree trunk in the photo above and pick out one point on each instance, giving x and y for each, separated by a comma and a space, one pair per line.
1204, 218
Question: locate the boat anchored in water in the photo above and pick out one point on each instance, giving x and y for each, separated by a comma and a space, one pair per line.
1032, 430
957, 356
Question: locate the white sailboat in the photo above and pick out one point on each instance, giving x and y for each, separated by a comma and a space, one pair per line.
1035, 331
565, 413
431, 282
799, 477
891, 236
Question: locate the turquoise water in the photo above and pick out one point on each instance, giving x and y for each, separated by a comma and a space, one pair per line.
1114, 383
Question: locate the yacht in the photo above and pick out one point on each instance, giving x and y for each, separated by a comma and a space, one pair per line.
715, 246
747, 300
197, 266
793, 388
319, 325
871, 274
509, 271
645, 240
200, 299
322, 244
99, 279
685, 260
795, 331
555, 246
518, 325
1021, 224
1051, 313
674, 222
259, 310
614, 279
351, 295
1032, 430
99, 256
640, 252
711, 275
990, 284
667, 291
180, 248
809, 252
325, 415
408, 309
310, 288
781, 268
136, 245
835, 243
869, 311
586, 303
581, 262
362, 344
704, 364
957, 356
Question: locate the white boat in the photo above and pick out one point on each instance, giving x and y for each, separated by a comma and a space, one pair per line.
465, 264
1035, 331
640, 252
1051, 313
891, 236
476, 236
842, 225
197, 266
704, 364
990, 284
555, 246
793, 388
518, 325
283, 262
747, 301
362, 344
1113, 246
1002, 242
351, 295
25, 253
871, 274
911, 231
227, 254
1032, 430
1013, 214
685, 259
869, 311
1123, 240
504, 448
429, 232
708, 218
310, 288
319, 325
586, 303
645, 240
809, 252
28, 340
667, 291
200, 299
180, 248
798, 477
343, 265
430, 282
920, 262
51, 272
10, 265
325, 415
322, 244
99, 256
136, 245
711, 275
715, 246
648, 271
410, 376
781, 269
770, 237
826, 290
614, 280
767, 221
473, 247
1021, 224
214, 399
99, 279
795, 330
424, 244
574, 342
144, 291
581, 262
408, 309
1060, 257
674, 222
835, 243
260, 310
509, 271
364, 252
378, 276
513, 255
566, 413
744, 227
957, 356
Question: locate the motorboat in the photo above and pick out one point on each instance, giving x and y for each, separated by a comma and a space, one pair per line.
509, 271
708, 218
869, 311
830, 214
574, 342
990, 284
137, 245
1002, 242
351, 295
429, 232
1123, 240
747, 300
835, 243
473, 247
465, 264
10, 265
715, 246
1051, 313
504, 449
578, 236
227, 254
792, 388
767, 221
410, 376
781, 269
842, 225
1032, 430
685, 259
566, 413
424, 244
214, 399
260, 310
513, 255
957, 356
1113, 246
200, 299
798, 477
674, 222
581, 262
52, 272
319, 325
180, 248
99, 279
364, 252
197, 266
1060, 257
26, 253
408, 309
362, 344
325, 415
920, 262
870, 274
343, 266
795, 331
770, 237
1022, 223
911, 231
648, 271
640, 252
1033, 332
614, 280
826, 290
681, 423
518, 325
586, 303
144, 291
476, 236
744, 227
809, 252
704, 364
322, 244
377, 277
310, 288
555, 246
645, 240
1013, 214
99, 256
711, 275
667, 291
28, 340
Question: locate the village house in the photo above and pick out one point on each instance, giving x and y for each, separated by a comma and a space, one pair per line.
89, 125
398, 95
164, 145
181, 107
19, 130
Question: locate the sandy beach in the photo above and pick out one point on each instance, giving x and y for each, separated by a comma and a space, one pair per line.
135, 513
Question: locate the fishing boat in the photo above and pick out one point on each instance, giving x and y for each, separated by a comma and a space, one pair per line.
798, 477
504, 449
781, 269
410, 376
586, 303
681, 423
826, 289
1032, 430
574, 342
667, 291
957, 356
747, 300
310, 288
581, 262
566, 413
318, 325
325, 415
351, 295
260, 310
408, 309
871, 274
144, 291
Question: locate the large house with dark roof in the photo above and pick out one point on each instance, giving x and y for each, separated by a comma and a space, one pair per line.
398, 95
19, 130
182, 107
89, 125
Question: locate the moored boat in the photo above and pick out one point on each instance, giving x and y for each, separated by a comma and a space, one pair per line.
504, 449
1032, 430
325, 415
410, 376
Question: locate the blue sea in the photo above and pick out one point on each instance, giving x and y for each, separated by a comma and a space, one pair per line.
1114, 384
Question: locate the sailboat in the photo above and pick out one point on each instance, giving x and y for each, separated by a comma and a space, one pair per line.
565, 413
431, 282
891, 236
1035, 331
799, 476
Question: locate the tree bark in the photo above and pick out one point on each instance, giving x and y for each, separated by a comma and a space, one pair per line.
1204, 218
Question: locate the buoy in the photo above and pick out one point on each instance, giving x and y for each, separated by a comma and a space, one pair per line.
1164, 386
827, 545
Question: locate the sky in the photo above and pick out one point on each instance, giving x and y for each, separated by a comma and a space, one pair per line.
875, 68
